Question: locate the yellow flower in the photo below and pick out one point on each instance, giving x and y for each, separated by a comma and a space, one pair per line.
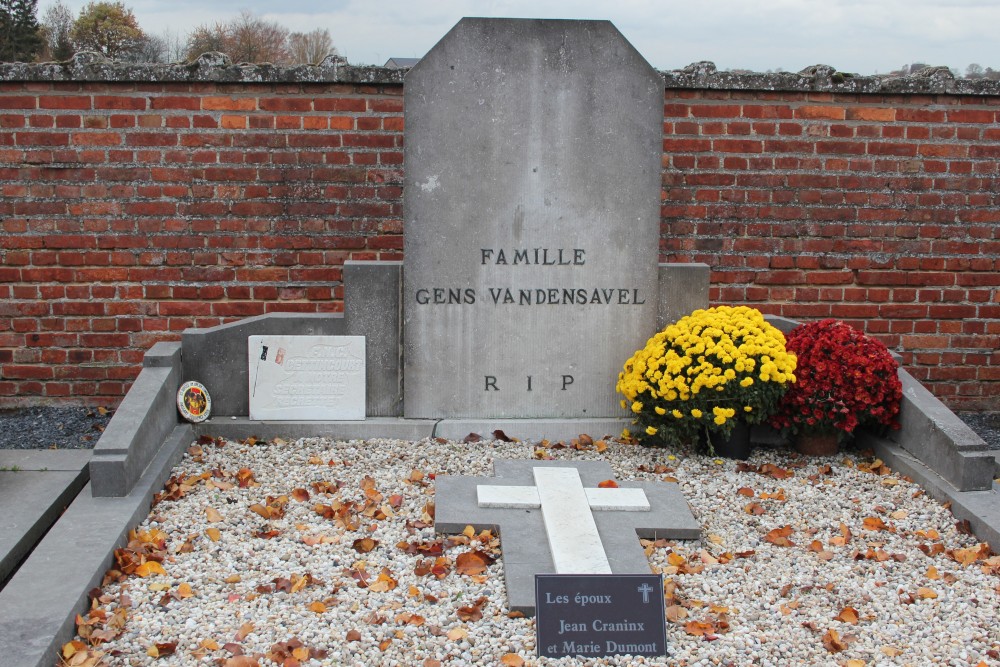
625, 434
747, 408
696, 413
637, 407
623, 403
650, 430
660, 411
745, 382
678, 414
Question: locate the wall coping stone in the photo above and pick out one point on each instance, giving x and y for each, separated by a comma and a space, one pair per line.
88, 66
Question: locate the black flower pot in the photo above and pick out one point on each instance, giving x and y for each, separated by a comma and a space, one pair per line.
734, 446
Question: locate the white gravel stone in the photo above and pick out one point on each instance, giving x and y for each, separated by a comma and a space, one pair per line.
769, 607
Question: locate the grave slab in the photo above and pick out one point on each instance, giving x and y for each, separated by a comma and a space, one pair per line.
522, 530
35, 488
307, 377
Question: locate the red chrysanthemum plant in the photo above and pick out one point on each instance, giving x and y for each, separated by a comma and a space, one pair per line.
844, 380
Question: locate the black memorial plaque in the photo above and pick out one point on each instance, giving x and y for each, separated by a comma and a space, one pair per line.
596, 615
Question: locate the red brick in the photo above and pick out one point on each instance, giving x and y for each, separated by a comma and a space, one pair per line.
821, 112
120, 102
971, 116
233, 122
229, 104
285, 104
879, 115
356, 104
385, 105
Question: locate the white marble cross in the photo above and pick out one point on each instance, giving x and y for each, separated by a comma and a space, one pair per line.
567, 512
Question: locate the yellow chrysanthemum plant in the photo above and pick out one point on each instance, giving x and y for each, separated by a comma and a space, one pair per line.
704, 373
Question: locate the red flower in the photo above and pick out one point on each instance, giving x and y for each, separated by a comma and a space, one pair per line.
843, 379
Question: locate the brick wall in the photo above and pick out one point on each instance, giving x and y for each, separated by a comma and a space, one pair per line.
882, 210
134, 209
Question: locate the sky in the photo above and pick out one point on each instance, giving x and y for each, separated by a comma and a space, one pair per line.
858, 36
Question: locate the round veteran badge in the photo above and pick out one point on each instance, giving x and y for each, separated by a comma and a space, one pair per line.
194, 402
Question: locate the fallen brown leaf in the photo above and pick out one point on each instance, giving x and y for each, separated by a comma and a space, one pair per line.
364, 544
473, 562
848, 615
832, 641
779, 537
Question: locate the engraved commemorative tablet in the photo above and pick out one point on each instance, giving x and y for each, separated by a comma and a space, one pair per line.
193, 401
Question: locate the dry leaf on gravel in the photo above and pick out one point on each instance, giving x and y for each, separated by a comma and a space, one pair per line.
364, 544
832, 642
779, 537
161, 649
473, 612
244, 630
149, 568
473, 562
848, 615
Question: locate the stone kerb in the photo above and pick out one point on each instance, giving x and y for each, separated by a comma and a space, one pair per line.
532, 216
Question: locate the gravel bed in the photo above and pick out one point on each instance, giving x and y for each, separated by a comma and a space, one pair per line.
986, 424
311, 549
52, 427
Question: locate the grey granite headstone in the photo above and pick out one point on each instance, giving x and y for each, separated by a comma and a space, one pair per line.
533, 153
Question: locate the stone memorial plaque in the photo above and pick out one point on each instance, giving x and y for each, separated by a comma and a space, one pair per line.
307, 377
600, 615
532, 201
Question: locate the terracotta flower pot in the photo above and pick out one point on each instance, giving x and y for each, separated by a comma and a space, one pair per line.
817, 444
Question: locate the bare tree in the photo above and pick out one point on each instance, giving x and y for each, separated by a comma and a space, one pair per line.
255, 40
974, 71
147, 49
311, 47
206, 38
57, 22
246, 38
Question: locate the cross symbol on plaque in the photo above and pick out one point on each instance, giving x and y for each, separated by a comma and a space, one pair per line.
563, 523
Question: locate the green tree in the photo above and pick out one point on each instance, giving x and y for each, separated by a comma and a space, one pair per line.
108, 28
20, 34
